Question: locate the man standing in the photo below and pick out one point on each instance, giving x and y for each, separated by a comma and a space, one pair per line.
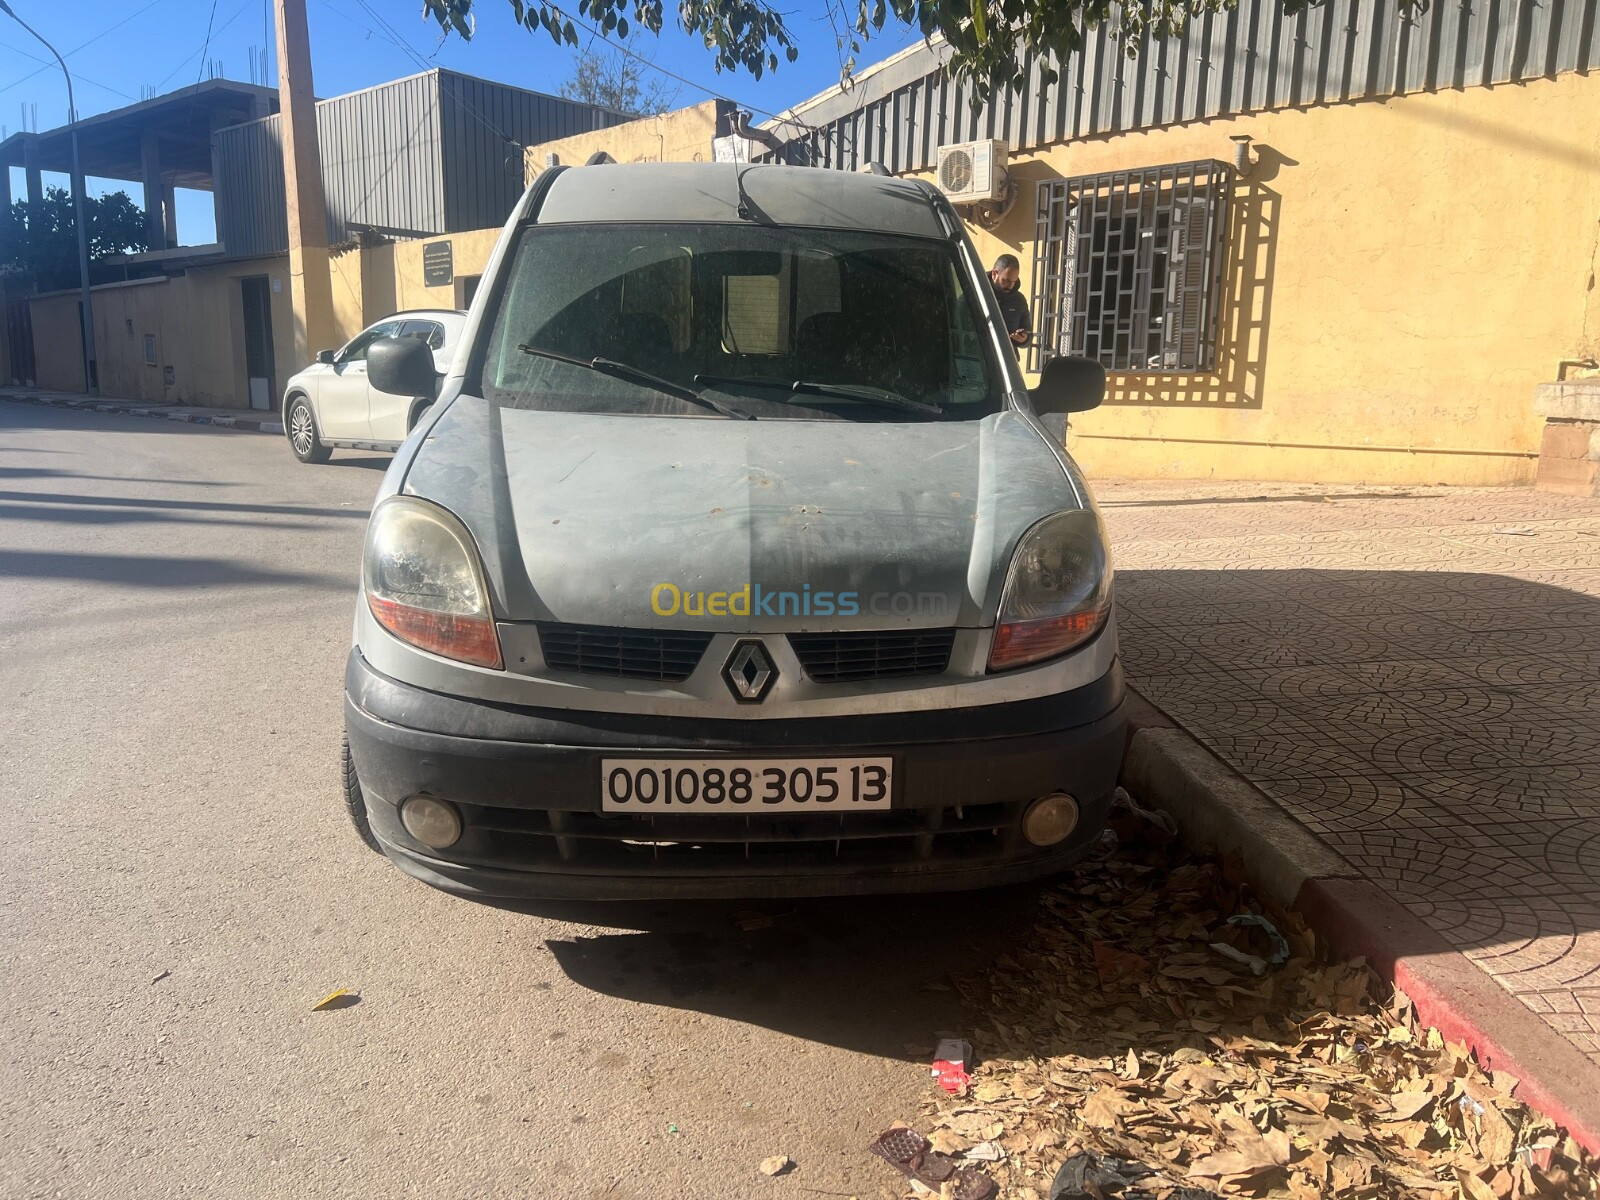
1004, 275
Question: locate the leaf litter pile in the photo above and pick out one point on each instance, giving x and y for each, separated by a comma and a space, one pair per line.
1123, 1052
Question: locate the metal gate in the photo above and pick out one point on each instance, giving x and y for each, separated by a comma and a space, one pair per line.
19, 343
257, 297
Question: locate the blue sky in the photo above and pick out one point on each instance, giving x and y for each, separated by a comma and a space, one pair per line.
160, 47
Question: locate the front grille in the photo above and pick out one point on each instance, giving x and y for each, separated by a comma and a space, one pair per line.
718, 844
845, 657
666, 654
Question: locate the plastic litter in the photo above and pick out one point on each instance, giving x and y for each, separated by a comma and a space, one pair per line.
1159, 825
949, 1069
1090, 1176
1278, 949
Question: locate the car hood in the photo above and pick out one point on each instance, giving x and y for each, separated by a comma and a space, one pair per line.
618, 520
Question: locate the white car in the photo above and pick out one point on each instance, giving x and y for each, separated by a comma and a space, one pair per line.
331, 404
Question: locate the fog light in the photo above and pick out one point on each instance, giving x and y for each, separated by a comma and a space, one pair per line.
436, 823
1050, 819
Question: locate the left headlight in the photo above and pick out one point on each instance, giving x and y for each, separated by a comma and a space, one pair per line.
425, 585
1057, 593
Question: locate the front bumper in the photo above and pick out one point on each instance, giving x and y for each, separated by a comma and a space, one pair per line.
527, 782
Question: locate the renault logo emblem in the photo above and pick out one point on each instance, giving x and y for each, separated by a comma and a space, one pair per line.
749, 672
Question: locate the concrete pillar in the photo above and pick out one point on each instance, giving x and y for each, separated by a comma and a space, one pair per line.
169, 209
30, 165
150, 161
219, 121
310, 281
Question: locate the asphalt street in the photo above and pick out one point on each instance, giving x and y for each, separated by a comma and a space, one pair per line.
181, 886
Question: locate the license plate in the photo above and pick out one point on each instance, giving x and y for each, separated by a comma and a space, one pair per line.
766, 785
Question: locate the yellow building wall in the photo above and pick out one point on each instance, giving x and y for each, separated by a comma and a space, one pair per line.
684, 135
1401, 275
469, 253
197, 320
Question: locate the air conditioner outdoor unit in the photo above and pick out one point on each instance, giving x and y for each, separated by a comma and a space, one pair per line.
973, 172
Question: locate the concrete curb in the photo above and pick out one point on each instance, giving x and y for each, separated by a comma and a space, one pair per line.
221, 418
1219, 811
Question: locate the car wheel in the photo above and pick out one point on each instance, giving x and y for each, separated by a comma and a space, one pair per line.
354, 802
300, 425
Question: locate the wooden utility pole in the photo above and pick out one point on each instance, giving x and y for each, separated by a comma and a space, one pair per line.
310, 284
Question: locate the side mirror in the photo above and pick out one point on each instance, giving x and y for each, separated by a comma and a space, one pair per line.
1069, 384
326, 357
402, 367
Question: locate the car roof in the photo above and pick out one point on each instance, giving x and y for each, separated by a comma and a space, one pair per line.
421, 312
725, 192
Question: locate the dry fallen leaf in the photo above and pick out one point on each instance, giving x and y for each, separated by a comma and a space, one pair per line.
776, 1165
1302, 1084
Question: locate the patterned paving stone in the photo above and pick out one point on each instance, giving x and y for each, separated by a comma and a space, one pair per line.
1344, 804
1539, 794
1418, 686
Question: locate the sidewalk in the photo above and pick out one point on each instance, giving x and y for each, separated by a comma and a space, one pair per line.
251, 420
1414, 675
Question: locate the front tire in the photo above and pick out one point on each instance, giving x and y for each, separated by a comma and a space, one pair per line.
300, 426
355, 803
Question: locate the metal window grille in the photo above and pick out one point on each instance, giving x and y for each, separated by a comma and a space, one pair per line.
1128, 267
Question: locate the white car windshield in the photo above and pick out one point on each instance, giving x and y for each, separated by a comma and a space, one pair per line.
763, 321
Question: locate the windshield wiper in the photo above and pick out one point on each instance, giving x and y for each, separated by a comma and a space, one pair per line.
844, 391
626, 371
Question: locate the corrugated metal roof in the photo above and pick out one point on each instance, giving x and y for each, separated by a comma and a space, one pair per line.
1247, 59
434, 153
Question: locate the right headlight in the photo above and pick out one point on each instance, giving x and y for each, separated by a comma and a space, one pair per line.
424, 583
1057, 593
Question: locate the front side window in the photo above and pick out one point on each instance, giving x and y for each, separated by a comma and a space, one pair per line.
430, 332
356, 349
778, 322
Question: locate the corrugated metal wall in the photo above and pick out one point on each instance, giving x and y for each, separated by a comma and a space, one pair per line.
485, 127
381, 158
249, 188
424, 155
1251, 58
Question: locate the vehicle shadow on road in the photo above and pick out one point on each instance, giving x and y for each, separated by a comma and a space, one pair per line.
867, 973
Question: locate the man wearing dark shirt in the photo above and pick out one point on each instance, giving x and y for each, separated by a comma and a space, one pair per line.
1004, 275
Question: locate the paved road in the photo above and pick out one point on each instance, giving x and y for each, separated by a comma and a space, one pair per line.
180, 886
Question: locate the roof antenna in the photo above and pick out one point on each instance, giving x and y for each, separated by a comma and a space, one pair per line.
748, 210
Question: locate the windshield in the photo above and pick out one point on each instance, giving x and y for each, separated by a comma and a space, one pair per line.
774, 322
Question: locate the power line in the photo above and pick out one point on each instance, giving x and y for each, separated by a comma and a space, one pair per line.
84, 45
201, 51
205, 46
699, 87
78, 75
